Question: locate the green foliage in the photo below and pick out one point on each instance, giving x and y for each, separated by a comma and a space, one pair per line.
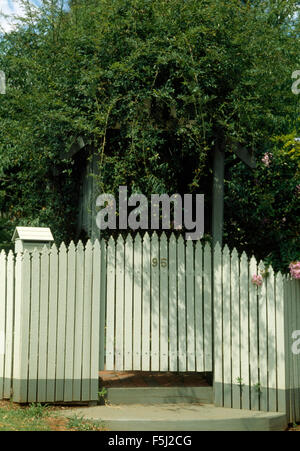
263, 208
152, 85
80, 424
32, 418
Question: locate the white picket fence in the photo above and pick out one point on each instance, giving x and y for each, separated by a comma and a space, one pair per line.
150, 304
158, 305
49, 313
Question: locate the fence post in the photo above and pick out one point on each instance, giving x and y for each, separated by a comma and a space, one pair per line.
21, 326
2, 319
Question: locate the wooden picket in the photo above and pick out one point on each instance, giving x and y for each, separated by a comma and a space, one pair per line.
148, 303
2, 318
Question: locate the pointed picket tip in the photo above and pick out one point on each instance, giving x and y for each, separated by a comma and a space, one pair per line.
217, 247
72, 247
2, 253
226, 251
154, 236
53, 249
207, 246
261, 267
26, 255
62, 247
35, 253
244, 256
11, 257
199, 246
253, 261
172, 238
129, 239
138, 238
79, 246
271, 271
146, 237
45, 250
120, 239
97, 245
111, 240
89, 246
163, 237
180, 240
234, 254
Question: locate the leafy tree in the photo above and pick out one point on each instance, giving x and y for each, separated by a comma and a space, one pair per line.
151, 84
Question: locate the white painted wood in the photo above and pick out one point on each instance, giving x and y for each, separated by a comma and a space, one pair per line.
128, 309
120, 262
281, 345
3, 304
253, 337
218, 327
61, 302
146, 314
297, 300
263, 342
137, 303
79, 306
294, 356
226, 329
290, 327
287, 352
164, 297
182, 343
154, 303
21, 327
34, 328
25, 315
70, 323
235, 321
244, 300
52, 329
10, 325
61, 323
95, 320
190, 307
110, 313
199, 308
103, 299
87, 322
43, 327
173, 327
272, 363
33, 234
207, 289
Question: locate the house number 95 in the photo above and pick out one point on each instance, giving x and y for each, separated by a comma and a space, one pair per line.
163, 262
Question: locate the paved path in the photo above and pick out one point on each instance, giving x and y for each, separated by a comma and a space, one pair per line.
180, 417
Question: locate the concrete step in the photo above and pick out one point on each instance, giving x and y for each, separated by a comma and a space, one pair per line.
159, 395
180, 417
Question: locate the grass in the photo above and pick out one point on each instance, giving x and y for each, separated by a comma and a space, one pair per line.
38, 417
